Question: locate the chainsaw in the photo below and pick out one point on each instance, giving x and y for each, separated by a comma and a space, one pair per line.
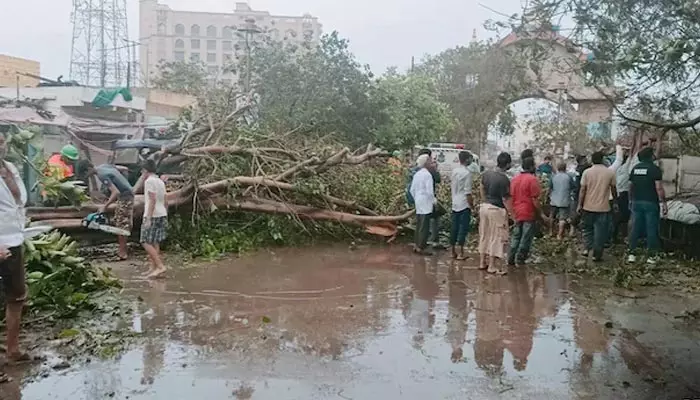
98, 221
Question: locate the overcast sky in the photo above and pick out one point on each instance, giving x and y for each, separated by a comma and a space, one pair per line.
382, 33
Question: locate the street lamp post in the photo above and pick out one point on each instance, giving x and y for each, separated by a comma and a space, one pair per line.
471, 81
248, 30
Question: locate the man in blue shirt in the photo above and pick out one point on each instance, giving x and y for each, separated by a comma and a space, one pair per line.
120, 191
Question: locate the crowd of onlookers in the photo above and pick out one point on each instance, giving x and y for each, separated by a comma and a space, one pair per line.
600, 199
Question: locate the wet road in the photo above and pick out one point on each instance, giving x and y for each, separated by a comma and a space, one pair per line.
375, 323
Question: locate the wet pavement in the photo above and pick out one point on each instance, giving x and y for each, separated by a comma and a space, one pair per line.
381, 323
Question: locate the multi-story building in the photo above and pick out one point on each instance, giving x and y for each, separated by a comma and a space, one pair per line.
12, 68
215, 39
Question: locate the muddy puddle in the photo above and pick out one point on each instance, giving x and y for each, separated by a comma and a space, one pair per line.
380, 323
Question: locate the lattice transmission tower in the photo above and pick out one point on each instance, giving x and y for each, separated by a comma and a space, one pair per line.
101, 53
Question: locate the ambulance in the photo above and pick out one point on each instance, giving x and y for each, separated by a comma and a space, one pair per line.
447, 156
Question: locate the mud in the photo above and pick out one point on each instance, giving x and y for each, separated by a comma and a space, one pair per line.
380, 323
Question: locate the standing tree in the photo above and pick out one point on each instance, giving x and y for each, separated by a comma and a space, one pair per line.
651, 47
478, 82
413, 114
181, 77
321, 89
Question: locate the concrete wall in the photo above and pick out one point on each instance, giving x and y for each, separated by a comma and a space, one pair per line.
160, 103
9, 66
71, 96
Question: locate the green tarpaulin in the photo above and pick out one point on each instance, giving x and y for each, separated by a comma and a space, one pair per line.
105, 97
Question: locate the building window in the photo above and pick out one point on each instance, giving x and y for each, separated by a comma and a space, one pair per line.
227, 32
194, 44
161, 28
227, 58
194, 31
211, 44
308, 35
227, 45
275, 34
179, 56
179, 44
211, 57
212, 71
211, 31
194, 57
180, 29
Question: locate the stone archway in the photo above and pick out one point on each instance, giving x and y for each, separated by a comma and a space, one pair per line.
557, 76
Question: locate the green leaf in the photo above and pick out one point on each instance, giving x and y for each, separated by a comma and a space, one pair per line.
68, 333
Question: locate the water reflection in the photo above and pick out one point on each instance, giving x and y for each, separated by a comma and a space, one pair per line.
154, 346
458, 312
362, 323
491, 313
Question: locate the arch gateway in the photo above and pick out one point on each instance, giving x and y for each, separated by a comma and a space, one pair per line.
554, 71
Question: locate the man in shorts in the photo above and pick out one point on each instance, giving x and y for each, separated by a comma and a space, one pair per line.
13, 197
560, 199
155, 218
120, 191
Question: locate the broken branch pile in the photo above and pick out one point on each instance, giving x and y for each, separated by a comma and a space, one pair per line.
226, 165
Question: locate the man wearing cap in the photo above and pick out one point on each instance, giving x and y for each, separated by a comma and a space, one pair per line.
62, 164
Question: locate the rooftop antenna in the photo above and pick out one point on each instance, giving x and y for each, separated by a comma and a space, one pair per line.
100, 50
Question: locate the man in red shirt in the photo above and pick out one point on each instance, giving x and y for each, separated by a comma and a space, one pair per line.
525, 190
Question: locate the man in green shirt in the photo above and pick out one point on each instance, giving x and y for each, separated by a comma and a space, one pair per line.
646, 192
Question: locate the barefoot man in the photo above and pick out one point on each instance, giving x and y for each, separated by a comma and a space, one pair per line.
13, 196
155, 218
121, 192
493, 216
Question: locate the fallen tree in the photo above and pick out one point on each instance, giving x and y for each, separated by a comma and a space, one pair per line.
227, 165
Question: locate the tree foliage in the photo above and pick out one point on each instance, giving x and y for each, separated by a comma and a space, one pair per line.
413, 113
555, 135
322, 89
181, 77
478, 82
652, 47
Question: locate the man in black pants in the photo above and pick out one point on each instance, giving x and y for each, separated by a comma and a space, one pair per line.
13, 197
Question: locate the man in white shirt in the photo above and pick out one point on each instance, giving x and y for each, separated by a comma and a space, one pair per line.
13, 197
462, 203
424, 196
155, 218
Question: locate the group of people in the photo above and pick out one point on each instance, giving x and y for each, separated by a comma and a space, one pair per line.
600, 199
13, 199
66, 165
